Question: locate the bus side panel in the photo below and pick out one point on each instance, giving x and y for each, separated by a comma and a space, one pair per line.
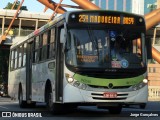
13, 83
23, 82
38, 82
40, 74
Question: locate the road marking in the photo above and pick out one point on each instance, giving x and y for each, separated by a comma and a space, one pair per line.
3, 107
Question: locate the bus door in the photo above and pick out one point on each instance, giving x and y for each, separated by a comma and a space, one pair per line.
29, 71
59, 66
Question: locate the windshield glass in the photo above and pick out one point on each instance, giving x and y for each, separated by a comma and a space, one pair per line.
102, 48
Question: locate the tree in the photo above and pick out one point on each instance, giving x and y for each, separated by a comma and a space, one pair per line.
9, 6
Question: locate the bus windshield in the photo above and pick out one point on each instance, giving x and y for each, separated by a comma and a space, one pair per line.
103, 48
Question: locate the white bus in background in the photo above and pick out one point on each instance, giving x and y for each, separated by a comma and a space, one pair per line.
69, 62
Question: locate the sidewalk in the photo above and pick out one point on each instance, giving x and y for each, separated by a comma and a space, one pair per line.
5, 99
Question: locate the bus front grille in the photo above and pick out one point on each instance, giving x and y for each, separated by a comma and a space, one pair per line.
97, 98
106, 87
100, 96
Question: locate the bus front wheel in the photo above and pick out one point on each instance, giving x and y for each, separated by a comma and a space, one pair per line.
55, 108
52, 107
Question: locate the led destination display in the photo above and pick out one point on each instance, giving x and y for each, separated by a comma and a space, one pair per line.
105, 19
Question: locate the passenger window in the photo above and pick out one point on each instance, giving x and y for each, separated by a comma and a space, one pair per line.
20, 56
12, 60
24, 54
36, 50
15, 59
44, 47
52, 44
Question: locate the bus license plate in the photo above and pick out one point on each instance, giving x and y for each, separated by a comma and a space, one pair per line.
110, 95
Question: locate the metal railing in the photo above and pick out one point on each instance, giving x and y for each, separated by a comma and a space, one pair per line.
154, 82
154, 93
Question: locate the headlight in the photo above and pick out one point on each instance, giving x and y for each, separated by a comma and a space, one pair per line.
83, 86
76, 83
145, 81
134, 87
138, 86
79, 85
70, 79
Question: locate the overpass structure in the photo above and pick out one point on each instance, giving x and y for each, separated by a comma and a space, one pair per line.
24, 24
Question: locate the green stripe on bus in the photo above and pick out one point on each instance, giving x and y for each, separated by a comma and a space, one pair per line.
104, 82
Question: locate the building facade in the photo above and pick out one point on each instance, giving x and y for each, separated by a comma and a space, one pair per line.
150, 5
134, 6
158, 3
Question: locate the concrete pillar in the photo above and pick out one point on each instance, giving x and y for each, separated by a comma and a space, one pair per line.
100, 3
36, 27
158, 3
154, 36
20, 23
106, 4
124, 5
115, 4
3, 22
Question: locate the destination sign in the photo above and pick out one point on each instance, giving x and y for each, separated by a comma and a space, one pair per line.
106, 19
86, 58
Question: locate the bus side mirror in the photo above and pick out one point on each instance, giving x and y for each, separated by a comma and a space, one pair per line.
149, 48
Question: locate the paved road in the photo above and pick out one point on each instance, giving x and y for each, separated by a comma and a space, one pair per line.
85, 113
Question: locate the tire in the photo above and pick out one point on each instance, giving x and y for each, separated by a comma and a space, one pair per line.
32, 105
22, 103
49, 101
54, 108
115, 110
142, 106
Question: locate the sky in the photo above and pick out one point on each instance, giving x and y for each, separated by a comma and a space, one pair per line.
34, 5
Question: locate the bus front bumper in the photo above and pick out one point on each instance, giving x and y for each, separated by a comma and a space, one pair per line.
73, 94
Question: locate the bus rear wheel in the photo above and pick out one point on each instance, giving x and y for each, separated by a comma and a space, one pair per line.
22, 103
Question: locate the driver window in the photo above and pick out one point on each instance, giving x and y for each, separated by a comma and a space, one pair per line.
118, 47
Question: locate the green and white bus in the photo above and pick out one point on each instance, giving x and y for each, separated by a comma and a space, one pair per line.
82, 58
